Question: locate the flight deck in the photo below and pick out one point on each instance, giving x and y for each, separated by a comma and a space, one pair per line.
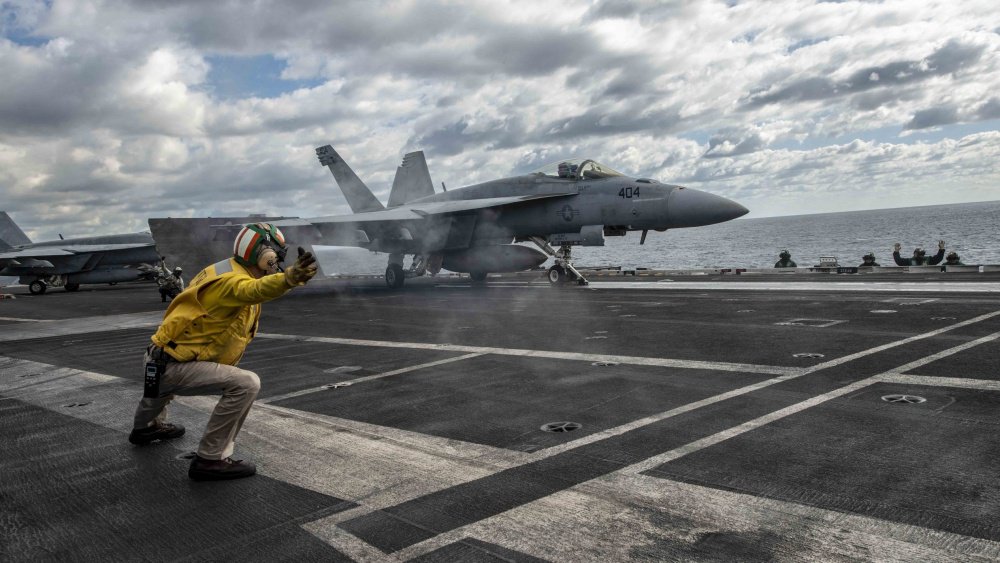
644, 417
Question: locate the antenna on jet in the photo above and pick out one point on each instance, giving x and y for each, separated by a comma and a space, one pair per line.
61, 237
443, 187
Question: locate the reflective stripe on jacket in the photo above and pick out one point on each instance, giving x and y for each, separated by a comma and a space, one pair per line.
215, 318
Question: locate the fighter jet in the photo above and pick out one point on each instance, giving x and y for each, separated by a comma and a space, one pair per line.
70, 262
473, 229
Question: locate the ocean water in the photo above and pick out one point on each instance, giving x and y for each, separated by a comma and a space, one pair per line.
971, 229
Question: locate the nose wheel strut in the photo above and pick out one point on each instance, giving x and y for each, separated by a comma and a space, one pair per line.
563, 270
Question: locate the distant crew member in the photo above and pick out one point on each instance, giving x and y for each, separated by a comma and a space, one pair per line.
919, 256
201, 339
868, 260
785, 260
171, 285
953, 259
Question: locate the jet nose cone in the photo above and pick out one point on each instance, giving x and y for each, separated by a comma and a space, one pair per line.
693, 208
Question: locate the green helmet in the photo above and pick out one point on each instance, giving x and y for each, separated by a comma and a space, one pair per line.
252, 239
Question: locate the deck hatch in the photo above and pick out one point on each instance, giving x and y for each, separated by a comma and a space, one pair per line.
900, 399
561, 426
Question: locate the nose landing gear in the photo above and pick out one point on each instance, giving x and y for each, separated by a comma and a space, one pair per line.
563, 270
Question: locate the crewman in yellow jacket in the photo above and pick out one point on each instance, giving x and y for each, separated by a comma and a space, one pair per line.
201, 340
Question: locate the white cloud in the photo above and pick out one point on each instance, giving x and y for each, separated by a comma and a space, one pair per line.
108, 117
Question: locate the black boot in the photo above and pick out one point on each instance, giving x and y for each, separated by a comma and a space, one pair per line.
167, 431
220, 469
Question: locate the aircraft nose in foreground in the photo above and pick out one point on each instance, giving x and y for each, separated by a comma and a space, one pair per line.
687, 207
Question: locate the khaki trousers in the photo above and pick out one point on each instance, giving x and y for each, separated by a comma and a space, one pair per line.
238, 388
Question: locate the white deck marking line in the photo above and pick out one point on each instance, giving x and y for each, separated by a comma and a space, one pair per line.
451, 536
931, 381
590, 521
399, 371
345, 542
944, 353
856, 355
703, 443
80, 325
547, 452
25, 320
928, 287
551, 354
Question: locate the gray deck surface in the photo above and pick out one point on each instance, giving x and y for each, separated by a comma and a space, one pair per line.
721, 418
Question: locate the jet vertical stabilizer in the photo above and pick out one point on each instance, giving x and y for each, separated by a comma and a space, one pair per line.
359, 197
412, 181
10, 234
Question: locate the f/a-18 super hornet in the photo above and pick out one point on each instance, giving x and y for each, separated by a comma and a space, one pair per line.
472, 229
71, 262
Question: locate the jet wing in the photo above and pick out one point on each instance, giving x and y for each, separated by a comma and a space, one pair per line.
69, 250
374, 229
421, 210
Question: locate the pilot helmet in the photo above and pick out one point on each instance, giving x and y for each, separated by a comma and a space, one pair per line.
253, 244
785, 255
178, 270
952, 255
920, 252
869, 257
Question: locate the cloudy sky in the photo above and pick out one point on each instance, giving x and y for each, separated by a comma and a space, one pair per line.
113, 112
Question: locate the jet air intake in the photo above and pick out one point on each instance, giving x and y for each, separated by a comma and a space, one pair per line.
499, 258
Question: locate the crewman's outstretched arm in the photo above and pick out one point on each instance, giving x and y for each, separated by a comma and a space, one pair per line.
237, 291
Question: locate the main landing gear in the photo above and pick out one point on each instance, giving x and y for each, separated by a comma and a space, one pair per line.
37, 287
41, 285
563, 270
395, 274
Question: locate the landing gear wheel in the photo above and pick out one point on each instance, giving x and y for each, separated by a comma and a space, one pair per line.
556, 275
394, 276
37, 287
478, 276
72, 286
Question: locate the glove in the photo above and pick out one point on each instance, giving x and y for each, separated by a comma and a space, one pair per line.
941, 244
302, 270
896, 247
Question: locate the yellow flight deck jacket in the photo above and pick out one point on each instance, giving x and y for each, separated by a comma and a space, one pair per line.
215, 318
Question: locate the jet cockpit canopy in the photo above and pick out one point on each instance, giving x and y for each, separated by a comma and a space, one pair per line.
577, 169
